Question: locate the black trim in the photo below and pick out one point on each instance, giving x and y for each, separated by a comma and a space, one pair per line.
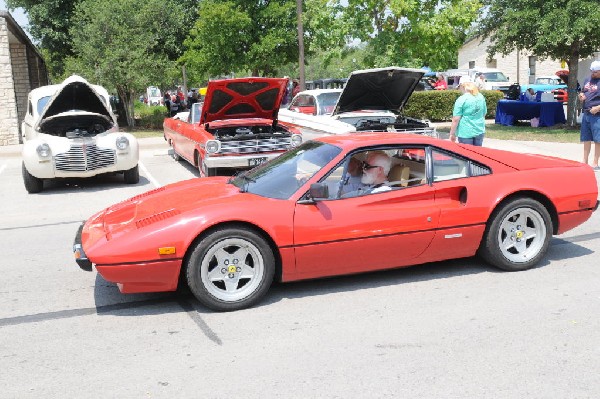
138, 262
84, 263
383, 235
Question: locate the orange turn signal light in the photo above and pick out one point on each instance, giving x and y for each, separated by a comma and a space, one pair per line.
166, 251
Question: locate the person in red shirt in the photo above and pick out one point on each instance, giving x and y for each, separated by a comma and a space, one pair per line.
440, 83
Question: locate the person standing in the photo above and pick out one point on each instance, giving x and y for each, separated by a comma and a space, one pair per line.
590, 122
468, 116
440, 83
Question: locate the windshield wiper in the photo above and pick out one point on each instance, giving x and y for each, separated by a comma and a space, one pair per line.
247, 179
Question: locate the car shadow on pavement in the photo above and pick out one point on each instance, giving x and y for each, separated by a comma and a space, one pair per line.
88, 184
109, 301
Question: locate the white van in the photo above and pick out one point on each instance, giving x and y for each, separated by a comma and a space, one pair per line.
494, 78
153, 95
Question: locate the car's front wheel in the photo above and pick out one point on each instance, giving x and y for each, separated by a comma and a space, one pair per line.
32, 184
204, 170
517, 235
132, 176
230, 269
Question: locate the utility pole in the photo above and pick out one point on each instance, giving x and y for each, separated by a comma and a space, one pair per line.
300, 44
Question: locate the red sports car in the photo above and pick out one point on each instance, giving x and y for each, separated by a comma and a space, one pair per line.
235, 127
317, 211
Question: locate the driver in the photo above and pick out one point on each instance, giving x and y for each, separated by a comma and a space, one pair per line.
375, 170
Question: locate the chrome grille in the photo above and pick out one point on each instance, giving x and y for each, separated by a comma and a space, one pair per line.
255, 145
84, 157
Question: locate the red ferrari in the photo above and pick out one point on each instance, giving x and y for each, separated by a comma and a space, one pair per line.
318, 211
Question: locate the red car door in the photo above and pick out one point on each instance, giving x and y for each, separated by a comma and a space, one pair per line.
369, 232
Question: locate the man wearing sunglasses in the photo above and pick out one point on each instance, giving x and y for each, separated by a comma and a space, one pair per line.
375, 171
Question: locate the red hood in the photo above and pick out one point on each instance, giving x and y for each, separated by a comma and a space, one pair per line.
243, 98
156, 205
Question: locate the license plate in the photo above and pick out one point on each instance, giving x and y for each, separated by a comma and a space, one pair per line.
256, 161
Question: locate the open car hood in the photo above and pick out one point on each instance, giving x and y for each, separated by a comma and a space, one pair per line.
378, 89
75, 98
243, 98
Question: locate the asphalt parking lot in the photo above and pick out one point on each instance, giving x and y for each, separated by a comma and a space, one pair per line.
454, 329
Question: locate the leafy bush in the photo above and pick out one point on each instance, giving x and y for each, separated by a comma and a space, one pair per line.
437, 105
149, 117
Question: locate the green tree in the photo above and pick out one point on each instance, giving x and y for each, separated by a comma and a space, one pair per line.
51, 22
258, 37
557, 29
411, 33
125, 45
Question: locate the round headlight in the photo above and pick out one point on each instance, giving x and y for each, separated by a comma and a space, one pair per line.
212, 146
122, 143
43, 150
296, 140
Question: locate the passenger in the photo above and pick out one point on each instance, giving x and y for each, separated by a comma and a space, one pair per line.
375, 171
352, 183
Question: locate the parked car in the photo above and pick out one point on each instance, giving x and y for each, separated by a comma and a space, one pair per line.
236, 126
69, 130
371, 100
494, 78
545, 83
291, 218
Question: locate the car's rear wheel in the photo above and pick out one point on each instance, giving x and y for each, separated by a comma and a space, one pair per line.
32, 184
175, 154
517, 235
230, 269
132, 176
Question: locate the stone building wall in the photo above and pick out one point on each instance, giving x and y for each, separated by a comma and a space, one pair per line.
20, 69
516, 65
9, 121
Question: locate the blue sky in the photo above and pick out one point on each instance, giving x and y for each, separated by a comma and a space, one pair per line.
18, 15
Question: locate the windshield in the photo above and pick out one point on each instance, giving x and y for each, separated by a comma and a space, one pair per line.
284, 175
548, 81
327, 102
495, 77
42, 103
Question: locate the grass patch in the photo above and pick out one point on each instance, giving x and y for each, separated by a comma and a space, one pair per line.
141, 133
522, 132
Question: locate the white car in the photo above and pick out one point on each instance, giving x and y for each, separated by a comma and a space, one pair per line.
372, 100
70, 131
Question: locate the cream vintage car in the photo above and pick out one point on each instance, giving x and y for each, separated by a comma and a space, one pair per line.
371, 100
70, 131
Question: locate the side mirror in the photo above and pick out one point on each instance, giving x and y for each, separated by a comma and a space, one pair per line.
317, 191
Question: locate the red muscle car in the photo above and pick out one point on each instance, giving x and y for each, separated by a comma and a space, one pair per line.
235, 127
309, 214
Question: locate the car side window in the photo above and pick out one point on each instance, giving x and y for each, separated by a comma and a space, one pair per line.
377, 171
447, 166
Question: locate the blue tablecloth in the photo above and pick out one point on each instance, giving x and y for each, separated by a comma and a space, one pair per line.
549, 113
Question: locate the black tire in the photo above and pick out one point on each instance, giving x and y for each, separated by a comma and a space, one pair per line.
132, 176
517, 235
175, 154
32, 184
203, 169
223, 282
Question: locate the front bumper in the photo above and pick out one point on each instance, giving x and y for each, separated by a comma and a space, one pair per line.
80, 256
239, 161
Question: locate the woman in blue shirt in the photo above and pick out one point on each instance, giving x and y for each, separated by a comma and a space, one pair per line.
468, 116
